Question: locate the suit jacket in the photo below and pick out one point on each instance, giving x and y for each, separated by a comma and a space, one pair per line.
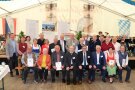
102, 59
80, 58
79, 46
40, 42
86, 42
64, 45
25, 57
51, 46
73, 57
54, 58
92, 45
48, 60
9, 48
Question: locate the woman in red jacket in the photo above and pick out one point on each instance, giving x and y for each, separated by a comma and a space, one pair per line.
44, 63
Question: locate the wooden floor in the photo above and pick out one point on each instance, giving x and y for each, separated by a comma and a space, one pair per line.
15, 83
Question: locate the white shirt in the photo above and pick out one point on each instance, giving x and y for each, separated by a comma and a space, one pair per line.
85, 58
116, 46
123, 63
62, 45
98, 58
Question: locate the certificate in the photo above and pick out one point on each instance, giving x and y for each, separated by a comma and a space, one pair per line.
58, 66
30, 62
123, 62
111, 62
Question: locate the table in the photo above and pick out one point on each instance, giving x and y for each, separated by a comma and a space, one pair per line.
3, 58
131, 58
3, 72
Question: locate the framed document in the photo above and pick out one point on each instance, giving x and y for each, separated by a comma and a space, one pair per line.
111, 62
30, 62
58, 66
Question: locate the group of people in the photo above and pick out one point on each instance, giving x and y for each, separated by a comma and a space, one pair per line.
100, 53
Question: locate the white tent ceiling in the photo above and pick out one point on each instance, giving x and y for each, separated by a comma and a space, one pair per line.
8, 7
118, 7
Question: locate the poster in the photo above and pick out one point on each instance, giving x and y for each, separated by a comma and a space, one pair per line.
48, 26
32, 28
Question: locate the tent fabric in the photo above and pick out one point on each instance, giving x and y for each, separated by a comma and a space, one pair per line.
124, 7
11, 6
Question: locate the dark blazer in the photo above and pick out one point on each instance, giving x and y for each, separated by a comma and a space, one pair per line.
54, 58
79, 46
80, 58
86, 42
64, 45
102, 59
92, 45
74, 58
51, 46
40, 42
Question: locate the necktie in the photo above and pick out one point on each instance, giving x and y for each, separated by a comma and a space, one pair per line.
58, 57
62, 44
84, 59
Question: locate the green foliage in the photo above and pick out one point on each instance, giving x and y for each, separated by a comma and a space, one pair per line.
78, 35
21, 34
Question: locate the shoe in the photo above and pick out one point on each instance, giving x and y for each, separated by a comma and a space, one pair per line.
111, 82
89, 82
68, 83
45, 81
24, 81
120, 81
103, 80
74, 82
127, 81
35, 81
11, 75
53, 80
63, 80
80, 82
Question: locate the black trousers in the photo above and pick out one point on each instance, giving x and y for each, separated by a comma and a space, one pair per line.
81, 71
43, 73
103, 72
26, 71
128, 69
74, 75
53, 73
13, 62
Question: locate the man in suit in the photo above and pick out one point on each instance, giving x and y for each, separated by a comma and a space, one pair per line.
93, 43
58, 56
85, 63
72, 42
41, 39
85, 37
52, 45
51, 49
12, 54
71, 62
26, 58
98, 62
122, 63
62, 43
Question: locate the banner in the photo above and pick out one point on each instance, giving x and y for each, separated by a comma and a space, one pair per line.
9, 25
124, 27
